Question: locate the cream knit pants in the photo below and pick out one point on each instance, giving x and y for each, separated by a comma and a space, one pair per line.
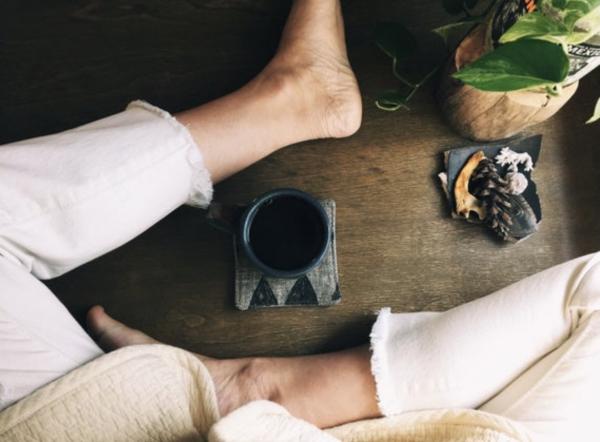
530, 352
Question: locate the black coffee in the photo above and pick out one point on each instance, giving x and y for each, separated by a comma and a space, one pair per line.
287, 233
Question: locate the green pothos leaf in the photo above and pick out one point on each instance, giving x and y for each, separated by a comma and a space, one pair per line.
559, 4
535, 25
559, 10
559, 21
596, 115
580, 17
586, 26
521, 64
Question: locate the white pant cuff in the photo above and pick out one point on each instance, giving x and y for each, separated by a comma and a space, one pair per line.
379, 364
201, 189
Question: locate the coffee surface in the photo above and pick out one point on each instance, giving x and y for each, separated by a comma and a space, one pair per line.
286, 233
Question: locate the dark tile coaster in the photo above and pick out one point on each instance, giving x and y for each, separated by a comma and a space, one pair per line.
319, 287
456, 159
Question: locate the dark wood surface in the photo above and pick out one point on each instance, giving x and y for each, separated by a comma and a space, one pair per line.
66, 63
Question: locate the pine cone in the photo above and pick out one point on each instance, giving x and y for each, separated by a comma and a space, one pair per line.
492, 190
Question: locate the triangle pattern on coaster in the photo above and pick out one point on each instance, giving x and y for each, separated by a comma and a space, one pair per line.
263, 295
336, 295
280, 287
302, 293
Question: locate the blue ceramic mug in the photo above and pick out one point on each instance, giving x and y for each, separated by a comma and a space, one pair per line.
285, 233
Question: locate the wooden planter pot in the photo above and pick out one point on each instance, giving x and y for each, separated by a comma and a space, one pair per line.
486, 116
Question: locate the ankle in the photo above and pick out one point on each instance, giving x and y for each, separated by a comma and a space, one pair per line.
283, 84
260, 377
239, 381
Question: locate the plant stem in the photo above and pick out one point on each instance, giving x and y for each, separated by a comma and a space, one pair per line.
423, 81
400, 77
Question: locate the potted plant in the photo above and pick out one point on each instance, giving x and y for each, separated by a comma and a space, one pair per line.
514, 63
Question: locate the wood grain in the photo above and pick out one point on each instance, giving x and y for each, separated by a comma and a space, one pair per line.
66, 63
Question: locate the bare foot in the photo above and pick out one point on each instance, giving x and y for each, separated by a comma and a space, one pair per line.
326, 390
312, 58
111, 334
237, 381
307, 91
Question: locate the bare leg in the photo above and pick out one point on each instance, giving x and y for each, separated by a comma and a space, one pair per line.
326, 390
307, 91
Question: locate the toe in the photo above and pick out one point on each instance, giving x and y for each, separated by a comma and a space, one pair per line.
112, 334
95, 319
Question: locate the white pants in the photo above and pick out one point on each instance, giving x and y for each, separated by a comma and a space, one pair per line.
530, 352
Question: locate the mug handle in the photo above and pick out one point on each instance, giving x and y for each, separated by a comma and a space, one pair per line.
225, 217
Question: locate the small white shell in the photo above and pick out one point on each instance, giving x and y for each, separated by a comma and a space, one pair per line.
512, 159
517, 182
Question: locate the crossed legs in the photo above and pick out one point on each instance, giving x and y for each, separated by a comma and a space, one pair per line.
307, 91
542, 334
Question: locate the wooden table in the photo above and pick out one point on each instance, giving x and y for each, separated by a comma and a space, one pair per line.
63, 65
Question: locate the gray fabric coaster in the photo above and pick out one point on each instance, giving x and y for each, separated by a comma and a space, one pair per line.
319, 287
